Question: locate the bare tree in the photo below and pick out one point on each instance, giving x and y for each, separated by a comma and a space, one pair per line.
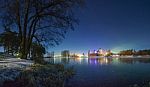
44, 21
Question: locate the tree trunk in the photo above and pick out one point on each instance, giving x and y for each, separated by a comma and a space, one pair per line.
23, 53
23, 50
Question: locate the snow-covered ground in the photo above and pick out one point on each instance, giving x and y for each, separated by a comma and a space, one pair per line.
10, 68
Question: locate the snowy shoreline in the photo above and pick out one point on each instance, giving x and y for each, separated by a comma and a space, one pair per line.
10, 68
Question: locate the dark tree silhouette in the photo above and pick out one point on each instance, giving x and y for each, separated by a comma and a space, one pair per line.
43, 21
9, 40
37, 52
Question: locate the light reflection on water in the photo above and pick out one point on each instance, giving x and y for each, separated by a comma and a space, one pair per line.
96, 61
107, 72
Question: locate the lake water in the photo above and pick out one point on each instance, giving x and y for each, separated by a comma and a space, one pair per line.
108, 72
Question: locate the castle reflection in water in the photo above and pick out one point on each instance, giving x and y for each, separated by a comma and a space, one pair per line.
98, 61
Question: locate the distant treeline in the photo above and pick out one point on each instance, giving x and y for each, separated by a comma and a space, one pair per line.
134, 52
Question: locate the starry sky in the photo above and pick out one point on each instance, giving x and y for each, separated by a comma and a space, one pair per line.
110, 24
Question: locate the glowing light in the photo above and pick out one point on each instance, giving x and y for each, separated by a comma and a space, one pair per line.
17, 54
117, 58
80, 55
95, 61
106, 60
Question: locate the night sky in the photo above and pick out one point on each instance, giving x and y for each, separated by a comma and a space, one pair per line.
110, 24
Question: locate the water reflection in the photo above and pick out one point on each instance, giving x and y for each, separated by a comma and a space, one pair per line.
96, 61
107, 72
101, 61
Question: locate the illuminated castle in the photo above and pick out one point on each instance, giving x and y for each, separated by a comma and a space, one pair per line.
99, 52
